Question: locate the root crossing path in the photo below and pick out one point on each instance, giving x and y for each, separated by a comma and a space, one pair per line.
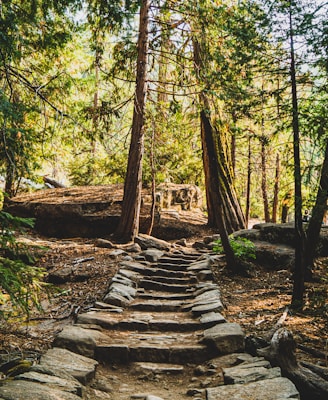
159, 334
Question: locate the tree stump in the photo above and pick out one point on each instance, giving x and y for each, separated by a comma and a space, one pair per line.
281, 352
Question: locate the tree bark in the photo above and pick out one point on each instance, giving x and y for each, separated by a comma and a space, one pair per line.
220, 192
281, 352
263, 141
298, 287
276, 190
248, 184
128, 227
213, 191
315, 223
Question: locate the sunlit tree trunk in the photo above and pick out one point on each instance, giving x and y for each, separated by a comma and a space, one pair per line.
220, 192
276, 190
315, 223
248, 183
298, 287
263, 141
213, 191
128, 227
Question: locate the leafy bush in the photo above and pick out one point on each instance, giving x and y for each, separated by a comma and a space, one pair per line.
20, 282
244, 249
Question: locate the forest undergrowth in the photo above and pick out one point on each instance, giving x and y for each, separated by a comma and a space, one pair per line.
255, 302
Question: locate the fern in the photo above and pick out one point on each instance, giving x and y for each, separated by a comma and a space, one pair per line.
244, 249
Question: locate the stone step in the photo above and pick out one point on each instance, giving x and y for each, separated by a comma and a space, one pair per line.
151, 272
151, 284
157, 305
172, 280
154, 271
152, 346
179, 258
143, 321
268, 389
153, 295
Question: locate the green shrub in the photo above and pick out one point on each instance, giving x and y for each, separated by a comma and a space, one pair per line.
244, 249
20, 282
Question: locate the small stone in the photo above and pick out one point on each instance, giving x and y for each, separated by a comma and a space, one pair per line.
152, 255
227, 337
133, 248
103, 385
200, 370
117, 253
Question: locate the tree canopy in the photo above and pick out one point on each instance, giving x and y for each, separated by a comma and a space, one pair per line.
228, 95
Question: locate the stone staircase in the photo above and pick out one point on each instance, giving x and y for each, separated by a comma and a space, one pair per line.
159, 334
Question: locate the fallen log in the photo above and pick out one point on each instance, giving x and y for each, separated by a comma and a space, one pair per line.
281, 353
52, 182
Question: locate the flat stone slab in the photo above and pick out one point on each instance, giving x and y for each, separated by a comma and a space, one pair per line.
249, 373
153, 295
227, 337
81, 368
177, 260
212, 318
199, 265
147, 242
155, 347
157, 368
141, 320
66, 385
156, 305
206, 307
123, 290
79, 340
25, 390
152, 284
187, 280
268, 389
152, 255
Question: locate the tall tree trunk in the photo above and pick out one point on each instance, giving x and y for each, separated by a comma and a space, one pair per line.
264, 179
298, 287
248, 183
95, 103
128, 226
212, 180
315, 223
153, 180
220, 192
276, 190
10, 180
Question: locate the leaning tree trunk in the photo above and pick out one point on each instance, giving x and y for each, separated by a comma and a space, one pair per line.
220, 192
213, 192
315, 223
128, 226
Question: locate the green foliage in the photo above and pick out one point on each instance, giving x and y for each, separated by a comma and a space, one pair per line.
243, 248
20, 282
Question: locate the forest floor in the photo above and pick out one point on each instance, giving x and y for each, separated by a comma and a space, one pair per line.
256, 302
